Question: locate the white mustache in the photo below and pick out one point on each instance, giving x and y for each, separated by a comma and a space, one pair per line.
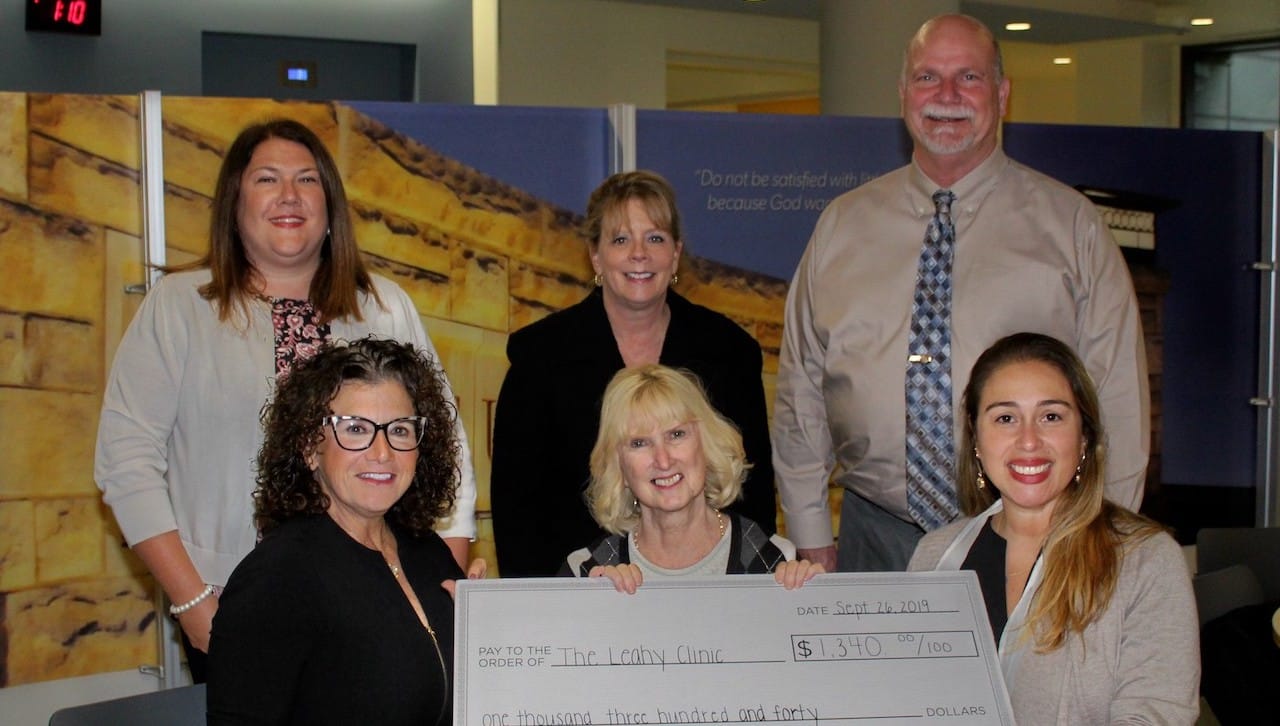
938, 110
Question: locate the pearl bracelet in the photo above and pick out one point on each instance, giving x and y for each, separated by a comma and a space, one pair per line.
180, 609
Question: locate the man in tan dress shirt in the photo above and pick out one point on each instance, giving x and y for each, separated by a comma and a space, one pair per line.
1031, 254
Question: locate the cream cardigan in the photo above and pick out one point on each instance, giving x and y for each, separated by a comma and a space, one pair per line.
1138, 663
179, 430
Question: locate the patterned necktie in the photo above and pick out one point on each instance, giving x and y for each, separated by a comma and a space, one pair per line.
931, 495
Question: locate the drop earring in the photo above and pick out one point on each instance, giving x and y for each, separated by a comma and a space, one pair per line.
598, 280
982, 479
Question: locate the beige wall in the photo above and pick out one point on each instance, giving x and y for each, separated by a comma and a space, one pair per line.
1124, 83
598, 52
595, 52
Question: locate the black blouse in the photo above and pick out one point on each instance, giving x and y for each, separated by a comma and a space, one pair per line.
313, 628
986, 557
549, 409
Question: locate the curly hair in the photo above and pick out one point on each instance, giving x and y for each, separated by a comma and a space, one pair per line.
1088, 534
637, 400
286, 485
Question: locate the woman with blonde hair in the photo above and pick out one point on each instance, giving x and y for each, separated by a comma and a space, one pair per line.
664, 467
561, 364
1091, 604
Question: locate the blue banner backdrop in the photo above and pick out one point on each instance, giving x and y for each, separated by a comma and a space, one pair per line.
752, 186
556, 154
1206, 244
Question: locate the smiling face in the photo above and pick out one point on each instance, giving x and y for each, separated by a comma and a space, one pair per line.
281, 214
952, 100
635, 258
362, 485
1029, 437
664, 468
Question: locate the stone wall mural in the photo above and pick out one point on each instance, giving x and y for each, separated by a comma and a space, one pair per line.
479, 258
73, 599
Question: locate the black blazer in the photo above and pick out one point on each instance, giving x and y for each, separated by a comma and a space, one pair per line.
549, 410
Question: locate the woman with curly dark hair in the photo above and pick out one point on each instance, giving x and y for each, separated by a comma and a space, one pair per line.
340, 614
283, 275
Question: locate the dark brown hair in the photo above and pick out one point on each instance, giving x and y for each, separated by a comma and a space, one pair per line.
341, 275
288, 488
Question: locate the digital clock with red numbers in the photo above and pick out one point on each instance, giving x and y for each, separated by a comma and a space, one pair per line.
81, 17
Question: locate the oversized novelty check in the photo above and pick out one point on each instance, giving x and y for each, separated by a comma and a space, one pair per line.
875, 648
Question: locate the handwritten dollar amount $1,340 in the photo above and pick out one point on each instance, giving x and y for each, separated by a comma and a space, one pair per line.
877, 646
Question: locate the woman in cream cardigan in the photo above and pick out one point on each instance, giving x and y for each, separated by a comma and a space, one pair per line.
1091, 604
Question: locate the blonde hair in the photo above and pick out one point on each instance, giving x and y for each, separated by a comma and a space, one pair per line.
606, 208
638, 400
1085, 547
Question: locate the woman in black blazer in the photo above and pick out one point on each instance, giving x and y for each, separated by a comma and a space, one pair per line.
549, 407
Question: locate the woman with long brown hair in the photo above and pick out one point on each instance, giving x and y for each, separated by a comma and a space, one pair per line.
1091, 604
180, 416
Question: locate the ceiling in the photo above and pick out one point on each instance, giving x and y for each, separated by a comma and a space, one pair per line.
1055, 27
1065, 24
719, 83
804, 9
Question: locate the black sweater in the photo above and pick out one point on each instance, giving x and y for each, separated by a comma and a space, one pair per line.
549, 410
313, 628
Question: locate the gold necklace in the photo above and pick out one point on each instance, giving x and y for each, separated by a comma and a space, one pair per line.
395, 569
635, 536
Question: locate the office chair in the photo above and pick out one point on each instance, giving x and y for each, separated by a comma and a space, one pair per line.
1237, 591
1236, 566
173, 707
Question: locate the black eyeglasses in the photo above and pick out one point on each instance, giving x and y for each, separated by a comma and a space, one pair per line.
356, 433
